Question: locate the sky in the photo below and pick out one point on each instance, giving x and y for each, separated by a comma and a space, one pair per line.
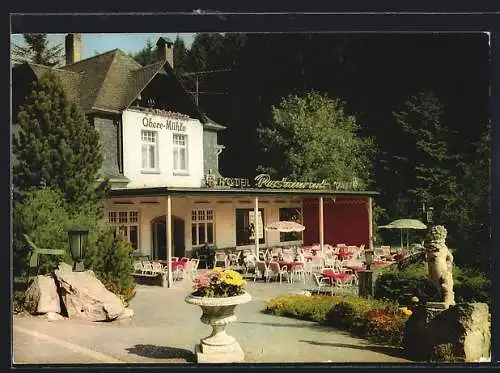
99, 43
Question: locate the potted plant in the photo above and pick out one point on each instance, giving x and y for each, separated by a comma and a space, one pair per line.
218, 292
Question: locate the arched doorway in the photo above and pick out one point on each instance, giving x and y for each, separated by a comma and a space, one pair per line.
158, 229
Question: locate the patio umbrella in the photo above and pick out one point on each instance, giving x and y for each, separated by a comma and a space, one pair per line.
285, 226
405, 224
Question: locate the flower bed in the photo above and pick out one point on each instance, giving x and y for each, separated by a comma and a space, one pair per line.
379, 321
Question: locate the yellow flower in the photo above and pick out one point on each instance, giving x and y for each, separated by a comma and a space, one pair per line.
414, 299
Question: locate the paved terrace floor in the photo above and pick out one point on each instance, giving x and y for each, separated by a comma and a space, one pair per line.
165, 329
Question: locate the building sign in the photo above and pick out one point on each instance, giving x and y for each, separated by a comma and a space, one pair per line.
169, 124
265, 181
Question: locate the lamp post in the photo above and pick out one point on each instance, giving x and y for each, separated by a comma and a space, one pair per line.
366, 277
78, 240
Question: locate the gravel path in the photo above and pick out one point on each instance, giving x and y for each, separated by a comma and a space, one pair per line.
165, 329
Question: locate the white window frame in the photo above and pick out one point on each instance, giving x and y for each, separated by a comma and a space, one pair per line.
146, 144
176, 149
123, 220
208, 216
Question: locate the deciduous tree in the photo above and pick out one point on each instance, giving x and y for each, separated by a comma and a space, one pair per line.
311, 137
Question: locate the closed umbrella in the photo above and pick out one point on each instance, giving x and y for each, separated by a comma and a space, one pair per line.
405, 224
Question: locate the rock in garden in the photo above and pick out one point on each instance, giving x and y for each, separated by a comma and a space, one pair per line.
85, 297
52, 316
459, 333
42, 296
127, 314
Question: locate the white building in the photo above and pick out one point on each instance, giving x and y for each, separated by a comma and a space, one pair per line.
161, 155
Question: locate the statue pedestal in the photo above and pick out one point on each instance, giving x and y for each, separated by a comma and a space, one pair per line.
365, 279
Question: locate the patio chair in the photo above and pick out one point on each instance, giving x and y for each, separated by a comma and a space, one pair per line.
175, 258
203, 258
157, 267
279, 272
323, 284
138, 267
221, 258
262, 270
308, 268
298, 272
147, 268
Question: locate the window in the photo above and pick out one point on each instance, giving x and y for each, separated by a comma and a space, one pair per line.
149, 150
291, 214
245, 232
202, 227
180, 154
127, 223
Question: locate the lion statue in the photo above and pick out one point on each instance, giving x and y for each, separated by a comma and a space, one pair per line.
440, 264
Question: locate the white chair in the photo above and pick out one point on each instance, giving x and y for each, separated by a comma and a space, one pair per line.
194, 268
298, 272
323, 284
157, 267
262, 270
278, 272
138, 267
147, 268
221, 258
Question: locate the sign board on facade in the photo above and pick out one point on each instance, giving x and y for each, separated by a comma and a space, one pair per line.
265, 181
169, 124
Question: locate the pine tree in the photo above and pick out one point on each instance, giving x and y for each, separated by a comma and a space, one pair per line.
54, 145
37, 50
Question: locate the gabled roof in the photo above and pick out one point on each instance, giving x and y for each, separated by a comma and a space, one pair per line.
111, 82
69, 79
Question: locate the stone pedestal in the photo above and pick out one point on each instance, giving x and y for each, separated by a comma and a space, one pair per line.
365, 279
218, 347
458, 333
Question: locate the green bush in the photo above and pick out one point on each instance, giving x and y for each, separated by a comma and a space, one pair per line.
45, 217
312, 308
401, 286
379, 321
112, 261
469, 285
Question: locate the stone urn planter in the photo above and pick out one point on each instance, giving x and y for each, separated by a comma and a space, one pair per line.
218, 347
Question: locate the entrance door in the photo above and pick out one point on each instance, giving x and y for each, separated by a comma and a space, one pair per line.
160, 237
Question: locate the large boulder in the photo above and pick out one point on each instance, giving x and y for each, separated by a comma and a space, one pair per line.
85, 297
459, 333
42, 297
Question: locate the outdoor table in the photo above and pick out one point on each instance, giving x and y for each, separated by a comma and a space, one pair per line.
282, 263
342, 254
328, 272
176, 264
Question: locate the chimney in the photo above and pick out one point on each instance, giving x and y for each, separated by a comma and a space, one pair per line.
165, 51
73, 47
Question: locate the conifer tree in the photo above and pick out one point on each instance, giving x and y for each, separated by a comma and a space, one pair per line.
54, 145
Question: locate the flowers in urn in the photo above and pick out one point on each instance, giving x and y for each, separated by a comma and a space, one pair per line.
219, 283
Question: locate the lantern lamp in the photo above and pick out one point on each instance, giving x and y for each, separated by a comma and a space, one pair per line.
78, 240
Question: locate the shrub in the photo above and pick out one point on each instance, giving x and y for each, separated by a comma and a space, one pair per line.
385, 325
112, 261
401, 286
469, 285
379, 321
312, 308
45, 217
